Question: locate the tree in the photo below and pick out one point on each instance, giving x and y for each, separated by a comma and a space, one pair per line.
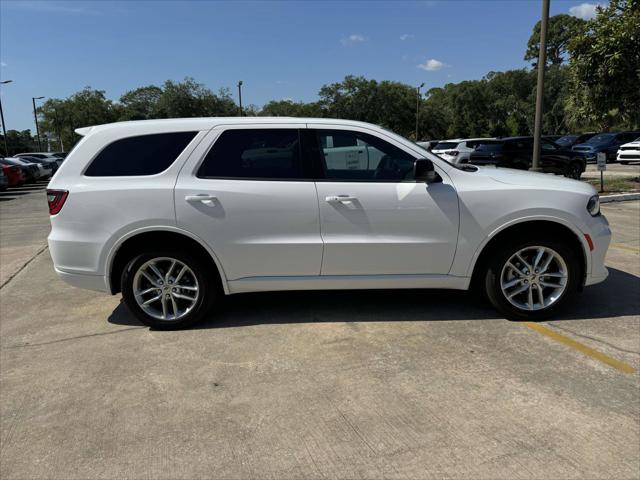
387, 103
605, 68
141, 103
19, 142
192, 99
84, 108
560, 29
289, 108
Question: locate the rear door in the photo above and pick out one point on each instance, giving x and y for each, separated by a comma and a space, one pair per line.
375, 219
247, 193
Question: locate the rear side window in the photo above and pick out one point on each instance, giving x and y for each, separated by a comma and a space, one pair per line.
141, 155
259, 153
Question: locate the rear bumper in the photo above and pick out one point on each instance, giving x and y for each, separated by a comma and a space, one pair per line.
89, 282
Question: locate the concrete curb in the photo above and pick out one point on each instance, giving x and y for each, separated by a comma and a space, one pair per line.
620, 197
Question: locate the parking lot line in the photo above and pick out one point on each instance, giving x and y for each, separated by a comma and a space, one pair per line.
558, 337
625, 247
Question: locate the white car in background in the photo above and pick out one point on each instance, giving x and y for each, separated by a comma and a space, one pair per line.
629, 152
458, 150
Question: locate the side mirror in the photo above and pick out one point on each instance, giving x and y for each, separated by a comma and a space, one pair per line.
424, 172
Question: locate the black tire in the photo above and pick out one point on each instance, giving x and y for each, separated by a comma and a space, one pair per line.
574, 170
208, 285
494, 270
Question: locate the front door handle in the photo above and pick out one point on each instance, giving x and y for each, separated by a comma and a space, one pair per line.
340, 198
203, 197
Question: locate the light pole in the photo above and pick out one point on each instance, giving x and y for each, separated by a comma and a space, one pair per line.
542, 61
35, 116
240, 97
4, 129
418, 107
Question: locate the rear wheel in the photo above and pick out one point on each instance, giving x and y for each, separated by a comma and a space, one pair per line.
531, 279
168, 290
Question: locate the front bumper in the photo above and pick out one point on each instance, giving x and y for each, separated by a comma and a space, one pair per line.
600, 234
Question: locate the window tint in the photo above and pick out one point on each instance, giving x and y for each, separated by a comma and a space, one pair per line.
547, 146
254, 153
356, 156
490, 147
141, 155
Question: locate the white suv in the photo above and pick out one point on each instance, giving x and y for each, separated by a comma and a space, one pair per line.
629, 152
458, 150
174, 213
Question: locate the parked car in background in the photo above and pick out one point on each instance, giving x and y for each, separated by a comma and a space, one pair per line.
32, 171
517, 152
428, 144
552, 138
14, 174
4, 181
457, 150
58, 158
607, 143
568, 141
50, 164
176, 213
629, 152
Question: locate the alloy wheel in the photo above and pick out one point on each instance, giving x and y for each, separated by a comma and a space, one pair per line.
534, 278
165, 288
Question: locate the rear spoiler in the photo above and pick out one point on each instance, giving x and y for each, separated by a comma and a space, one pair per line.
84, 131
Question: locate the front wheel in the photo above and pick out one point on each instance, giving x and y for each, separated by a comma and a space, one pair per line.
531, 280
168, 290
574, 170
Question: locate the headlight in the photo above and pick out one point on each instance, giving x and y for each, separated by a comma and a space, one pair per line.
593, 207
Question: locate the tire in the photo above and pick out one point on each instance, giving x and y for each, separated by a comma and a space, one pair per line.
518, 308
196, 278
574, 170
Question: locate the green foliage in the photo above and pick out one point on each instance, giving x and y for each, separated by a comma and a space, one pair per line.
605, 68
289, 108
141, 103
560, 29
18, 142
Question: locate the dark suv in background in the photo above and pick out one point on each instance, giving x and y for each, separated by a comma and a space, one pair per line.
608, 143
517, 152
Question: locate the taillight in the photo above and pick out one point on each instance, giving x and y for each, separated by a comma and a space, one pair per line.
56, 199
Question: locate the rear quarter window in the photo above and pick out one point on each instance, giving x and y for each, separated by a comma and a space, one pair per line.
140, 155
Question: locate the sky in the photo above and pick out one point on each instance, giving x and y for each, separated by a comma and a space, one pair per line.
279, 49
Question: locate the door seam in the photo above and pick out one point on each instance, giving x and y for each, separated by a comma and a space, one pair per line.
315, 185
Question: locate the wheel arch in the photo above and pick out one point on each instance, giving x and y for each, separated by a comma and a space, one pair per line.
552, 226
132, 242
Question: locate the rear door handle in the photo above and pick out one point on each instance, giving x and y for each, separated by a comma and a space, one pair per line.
340, 198
203, 197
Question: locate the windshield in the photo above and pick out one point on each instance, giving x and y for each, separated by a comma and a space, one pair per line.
445, 145
566, 140
601, 138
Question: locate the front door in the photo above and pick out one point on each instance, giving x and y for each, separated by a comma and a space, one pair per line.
375, 219
249, 197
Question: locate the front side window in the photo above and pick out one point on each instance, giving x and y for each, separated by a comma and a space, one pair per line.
356, 156
141, 155
254, 154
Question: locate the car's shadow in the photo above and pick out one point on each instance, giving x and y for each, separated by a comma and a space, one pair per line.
618, 296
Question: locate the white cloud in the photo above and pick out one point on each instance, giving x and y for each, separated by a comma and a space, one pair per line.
585, 11
2, 64
406, 36
353, 39
432, 65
